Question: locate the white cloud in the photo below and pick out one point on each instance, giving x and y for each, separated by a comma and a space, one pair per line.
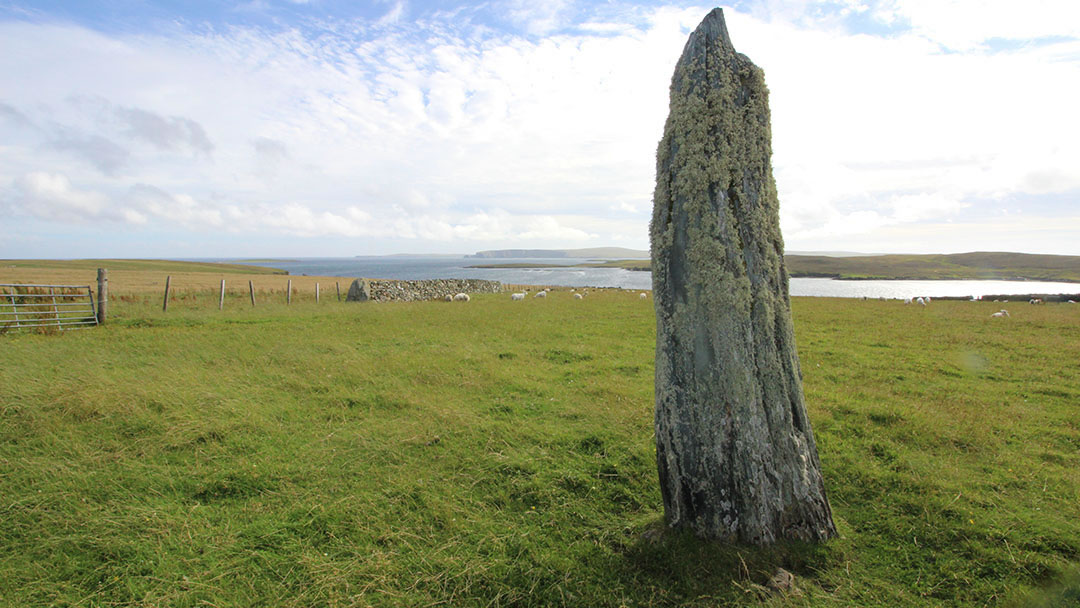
51, 196
393, 15
969, 24
444, 130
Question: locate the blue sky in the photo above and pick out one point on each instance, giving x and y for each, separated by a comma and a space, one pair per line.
332, 128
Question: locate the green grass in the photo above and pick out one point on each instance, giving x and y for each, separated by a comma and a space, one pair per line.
500, 453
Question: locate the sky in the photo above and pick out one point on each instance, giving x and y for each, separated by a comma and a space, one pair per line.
309, 128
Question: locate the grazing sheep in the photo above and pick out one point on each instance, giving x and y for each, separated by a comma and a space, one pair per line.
907, 300
449, 298
926, 299
577, 296
1072, 301
920, 301
461, 297
517, 296
643, 296
1035, 301
540, 294
1001, 313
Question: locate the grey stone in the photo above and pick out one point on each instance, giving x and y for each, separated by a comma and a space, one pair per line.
735, 452
359, 291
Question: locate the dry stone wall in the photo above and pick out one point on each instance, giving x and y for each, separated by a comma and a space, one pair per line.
387, 290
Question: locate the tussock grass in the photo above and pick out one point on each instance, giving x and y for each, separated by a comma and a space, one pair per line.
500, 453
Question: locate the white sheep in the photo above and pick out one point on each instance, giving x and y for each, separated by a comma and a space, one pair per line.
517, 296
540, 294
643, 296
920, 301
926, 299
449, 298
577, 296
461, 297
907, 300
1001, 313
1035, 301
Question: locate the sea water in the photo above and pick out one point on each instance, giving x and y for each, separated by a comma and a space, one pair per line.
562, 272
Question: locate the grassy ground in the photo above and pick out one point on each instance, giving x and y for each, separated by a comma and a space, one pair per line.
143, 279
499, 453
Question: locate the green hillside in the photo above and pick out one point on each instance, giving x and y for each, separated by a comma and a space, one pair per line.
977, 265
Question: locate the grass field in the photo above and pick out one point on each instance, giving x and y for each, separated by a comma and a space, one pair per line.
142, 280
500, 453
978, 265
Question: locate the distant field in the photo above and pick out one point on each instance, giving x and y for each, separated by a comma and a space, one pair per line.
145, 278
500, 453
1004, 266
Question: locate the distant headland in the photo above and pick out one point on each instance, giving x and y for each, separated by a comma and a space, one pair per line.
958, 266
606, 253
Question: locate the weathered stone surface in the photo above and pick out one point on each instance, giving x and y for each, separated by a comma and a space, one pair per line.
358, 291
736, 456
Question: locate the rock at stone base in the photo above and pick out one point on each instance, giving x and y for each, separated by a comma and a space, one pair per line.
783, 582
358, 291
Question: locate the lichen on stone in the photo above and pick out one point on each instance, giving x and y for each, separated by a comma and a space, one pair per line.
735, 452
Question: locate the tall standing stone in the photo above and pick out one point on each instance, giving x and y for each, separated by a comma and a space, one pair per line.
736, 456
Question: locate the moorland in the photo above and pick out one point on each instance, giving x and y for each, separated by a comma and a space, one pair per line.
499, 453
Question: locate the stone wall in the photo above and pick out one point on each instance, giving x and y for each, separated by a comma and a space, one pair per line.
386, 290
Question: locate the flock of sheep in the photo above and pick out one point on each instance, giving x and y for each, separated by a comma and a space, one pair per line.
920, 300
464, 297
924, 300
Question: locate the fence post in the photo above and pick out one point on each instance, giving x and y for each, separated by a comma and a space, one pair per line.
15, 307
251, 290
102, 295
165, 306
55, 310
221, 301
288, 298
316, 293
337, 286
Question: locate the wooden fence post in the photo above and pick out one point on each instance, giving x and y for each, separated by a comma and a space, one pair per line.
221, 300
165, 306
288, 298
102, 295
337, 286
251, 289
316, 293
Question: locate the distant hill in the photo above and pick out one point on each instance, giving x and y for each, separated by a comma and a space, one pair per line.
977, 265
607, 253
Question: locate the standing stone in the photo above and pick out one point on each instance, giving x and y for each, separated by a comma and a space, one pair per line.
735, 452
359, 291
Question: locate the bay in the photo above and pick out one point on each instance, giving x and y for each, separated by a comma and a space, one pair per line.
561, 272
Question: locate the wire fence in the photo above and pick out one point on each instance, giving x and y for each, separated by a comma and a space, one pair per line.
62, 307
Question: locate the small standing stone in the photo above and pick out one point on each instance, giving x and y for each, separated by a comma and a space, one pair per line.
358, 291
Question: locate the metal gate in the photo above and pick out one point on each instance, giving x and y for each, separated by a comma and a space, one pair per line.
60, 306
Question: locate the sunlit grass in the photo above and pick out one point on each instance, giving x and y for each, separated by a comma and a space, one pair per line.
501, 453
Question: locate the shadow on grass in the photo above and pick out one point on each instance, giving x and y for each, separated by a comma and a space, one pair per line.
1063, 594
667, 566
